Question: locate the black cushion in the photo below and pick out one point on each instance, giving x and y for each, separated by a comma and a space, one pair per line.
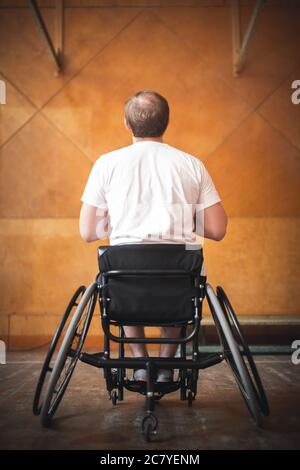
144, 299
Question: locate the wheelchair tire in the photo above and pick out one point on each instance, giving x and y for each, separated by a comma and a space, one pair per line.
81, 318
149, 426
114, 397
234, 357
46, 366
148, 432
190, 398
238, 333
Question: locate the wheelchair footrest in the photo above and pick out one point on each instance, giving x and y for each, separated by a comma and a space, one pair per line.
100, 360
160, 388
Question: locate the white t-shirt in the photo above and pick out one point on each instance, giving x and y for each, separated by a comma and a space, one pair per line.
151, 191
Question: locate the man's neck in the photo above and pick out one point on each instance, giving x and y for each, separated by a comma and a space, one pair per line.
143, 139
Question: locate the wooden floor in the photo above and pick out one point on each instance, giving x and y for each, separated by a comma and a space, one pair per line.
86, 419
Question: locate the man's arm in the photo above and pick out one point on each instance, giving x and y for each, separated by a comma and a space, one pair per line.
215, 222
210, 217
93, 223
212, 222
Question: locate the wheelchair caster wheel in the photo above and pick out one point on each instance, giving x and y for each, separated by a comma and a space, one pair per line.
190, 398
149, 426
114, 397
120, 394
148, 432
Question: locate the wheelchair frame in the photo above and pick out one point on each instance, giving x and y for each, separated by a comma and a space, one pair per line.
234, 350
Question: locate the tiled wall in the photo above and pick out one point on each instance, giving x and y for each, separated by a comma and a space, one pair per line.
246, 130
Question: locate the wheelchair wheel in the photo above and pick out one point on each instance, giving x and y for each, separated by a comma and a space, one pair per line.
114, 397
149, 426
68, 354
190, 398
233, 356
237, 331
46, 369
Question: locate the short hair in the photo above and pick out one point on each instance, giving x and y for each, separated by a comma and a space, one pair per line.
147, 113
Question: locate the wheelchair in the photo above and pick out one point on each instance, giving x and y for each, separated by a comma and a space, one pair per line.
148, 285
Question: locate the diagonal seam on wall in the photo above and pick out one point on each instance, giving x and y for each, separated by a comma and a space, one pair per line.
66, 137
178, 36
8, 80
214, 70
77, 72
187, 44
258, 109
91, 59
219, 76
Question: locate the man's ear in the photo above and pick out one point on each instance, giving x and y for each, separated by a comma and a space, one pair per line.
126, 124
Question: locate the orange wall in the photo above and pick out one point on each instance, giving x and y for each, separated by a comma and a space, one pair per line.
53, 128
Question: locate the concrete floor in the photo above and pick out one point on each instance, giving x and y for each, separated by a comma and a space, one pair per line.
86, 419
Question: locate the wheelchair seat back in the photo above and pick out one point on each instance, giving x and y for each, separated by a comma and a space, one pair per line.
139, 297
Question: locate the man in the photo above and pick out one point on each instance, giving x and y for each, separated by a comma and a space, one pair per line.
150, 192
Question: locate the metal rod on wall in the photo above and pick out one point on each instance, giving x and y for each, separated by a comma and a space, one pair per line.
240, 49
59, 30
55, 53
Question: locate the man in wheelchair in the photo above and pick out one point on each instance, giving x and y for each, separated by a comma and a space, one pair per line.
152, 201
150, 193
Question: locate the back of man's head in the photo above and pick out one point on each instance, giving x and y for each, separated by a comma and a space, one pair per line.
147, 114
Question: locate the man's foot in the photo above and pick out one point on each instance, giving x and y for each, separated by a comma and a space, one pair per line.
140, 375
165, 375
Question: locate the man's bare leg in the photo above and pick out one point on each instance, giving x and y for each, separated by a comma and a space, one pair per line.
169, 350
137, 350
